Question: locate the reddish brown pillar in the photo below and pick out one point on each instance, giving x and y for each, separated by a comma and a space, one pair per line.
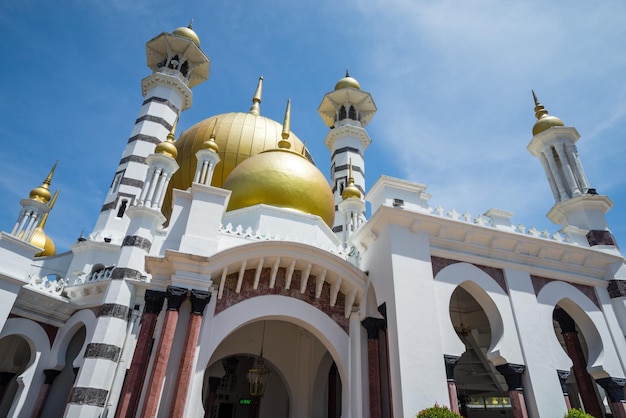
199, 300
175, 297
614, 388
133, 383
579, 364
563, 376
373, 327
45, 391
513, 375
450, 363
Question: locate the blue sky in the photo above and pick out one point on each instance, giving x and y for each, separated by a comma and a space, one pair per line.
451, 80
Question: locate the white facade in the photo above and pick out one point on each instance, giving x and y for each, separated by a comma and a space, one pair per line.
156, 315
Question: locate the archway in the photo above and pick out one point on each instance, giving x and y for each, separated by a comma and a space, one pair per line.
60, 389
299, 379
481, 389
15, 360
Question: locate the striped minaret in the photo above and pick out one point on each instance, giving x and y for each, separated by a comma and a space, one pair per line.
346, 111
99, 370
178, 64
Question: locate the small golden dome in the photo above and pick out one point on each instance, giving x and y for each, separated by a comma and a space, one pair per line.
187, 32
347, 82
43, 241
283, 178
42, 193
351, 191
544, 120
167, 147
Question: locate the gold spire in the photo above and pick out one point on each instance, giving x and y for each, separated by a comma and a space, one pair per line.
256, 100
210, 143
350, 191
167, 147
42, 193
284, 142
39, 237
544, 120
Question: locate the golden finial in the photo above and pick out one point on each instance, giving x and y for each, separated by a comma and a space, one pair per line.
44, 218
167, 147
284, 143
39, 237
540, 110
544, 121
42, 193
256, 100
190, 24
347, 72
350, 190
210, 143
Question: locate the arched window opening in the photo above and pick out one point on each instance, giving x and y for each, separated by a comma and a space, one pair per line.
352, 113
342, 112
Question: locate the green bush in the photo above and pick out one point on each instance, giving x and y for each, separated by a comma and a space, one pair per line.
438, 412
577, 413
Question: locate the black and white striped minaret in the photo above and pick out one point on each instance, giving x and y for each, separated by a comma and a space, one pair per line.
178, 64
346, 111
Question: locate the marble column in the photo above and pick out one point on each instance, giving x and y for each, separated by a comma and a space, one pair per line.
50, 374
563, 376
513, 375
450, 363
133, 383
614, 388
373, 327
199, 299
579, 364
175, 297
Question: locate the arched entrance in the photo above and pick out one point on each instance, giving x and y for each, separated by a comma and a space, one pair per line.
302, 381
482, 390
15, 360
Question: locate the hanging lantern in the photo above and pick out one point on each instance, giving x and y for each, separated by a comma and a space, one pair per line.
257, 377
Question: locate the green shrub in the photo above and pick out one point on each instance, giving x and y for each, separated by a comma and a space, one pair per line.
438, 412
577, 413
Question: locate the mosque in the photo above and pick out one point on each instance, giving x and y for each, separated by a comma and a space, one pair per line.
226, 278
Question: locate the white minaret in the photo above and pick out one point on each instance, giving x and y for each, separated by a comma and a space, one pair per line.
178, 64
578, 207
346, 111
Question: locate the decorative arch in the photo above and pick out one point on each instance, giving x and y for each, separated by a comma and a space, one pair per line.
272, 307
31, 380
84, 317
493, 299
602, 358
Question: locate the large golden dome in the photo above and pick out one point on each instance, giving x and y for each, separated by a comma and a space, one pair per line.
238, 136
284, 178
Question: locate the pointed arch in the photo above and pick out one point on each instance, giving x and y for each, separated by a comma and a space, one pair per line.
31, 380
603, 360
493, 299
84, 317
